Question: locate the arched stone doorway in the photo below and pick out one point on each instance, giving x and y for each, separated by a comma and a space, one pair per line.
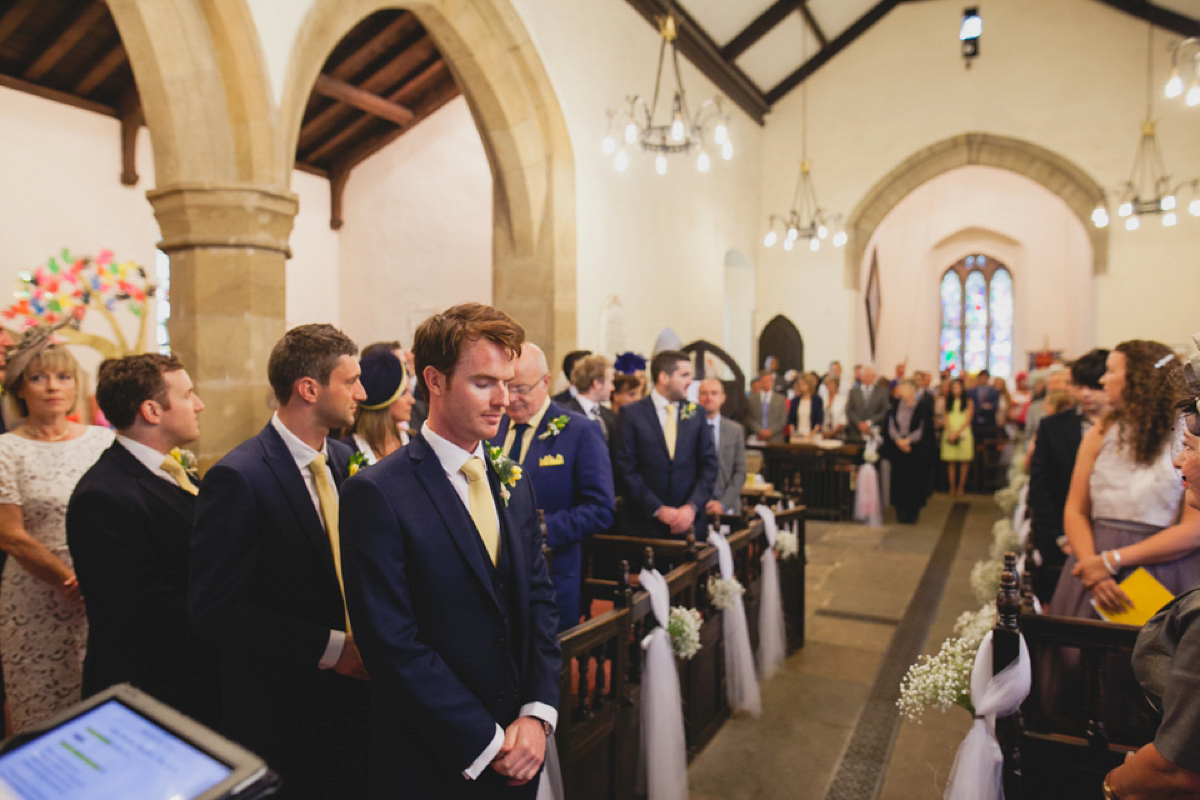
781, 339
1062, 177
524, 135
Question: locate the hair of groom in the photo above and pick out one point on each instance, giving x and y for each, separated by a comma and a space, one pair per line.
125, 383
440, 340
306, 351
667, 361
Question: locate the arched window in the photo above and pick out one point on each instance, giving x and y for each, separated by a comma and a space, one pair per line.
977, 317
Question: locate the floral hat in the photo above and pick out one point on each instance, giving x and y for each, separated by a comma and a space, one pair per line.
32, 342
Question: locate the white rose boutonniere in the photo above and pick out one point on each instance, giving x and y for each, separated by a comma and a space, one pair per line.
555, 427
186, 459
689, 411
507, 470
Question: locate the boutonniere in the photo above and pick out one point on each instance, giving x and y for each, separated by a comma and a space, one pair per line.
507, 470
555, 427
689, 411
186, 459
357, 462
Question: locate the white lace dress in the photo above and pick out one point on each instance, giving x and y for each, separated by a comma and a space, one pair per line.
42, 636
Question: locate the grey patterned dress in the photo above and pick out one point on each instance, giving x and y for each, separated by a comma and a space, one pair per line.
42, 636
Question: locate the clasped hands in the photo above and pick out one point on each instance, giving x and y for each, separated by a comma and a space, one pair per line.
677, 519
1094, 575
523, 751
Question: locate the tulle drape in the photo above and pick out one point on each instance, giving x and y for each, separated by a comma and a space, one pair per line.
550, 786
741, 685
978, 767
867, 505
772, 634
664, 751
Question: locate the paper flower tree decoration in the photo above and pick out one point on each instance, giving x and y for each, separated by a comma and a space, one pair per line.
69, 286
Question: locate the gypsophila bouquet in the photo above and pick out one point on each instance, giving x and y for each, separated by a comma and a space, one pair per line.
684, 628
1007, 498
787, 544
724, 591
1004, 539
985, 579
944, 680
974, 625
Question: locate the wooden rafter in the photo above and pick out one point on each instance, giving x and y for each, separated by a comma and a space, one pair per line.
760, 27
66, 98
79, 27
388, 36
843, 40
806, 12
15, 16
1157, 15
100, 71
362, 100
129, 111
698, 47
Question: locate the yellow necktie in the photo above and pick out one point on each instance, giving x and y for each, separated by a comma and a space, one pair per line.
672, 428
327, 496
176, 471
483, 508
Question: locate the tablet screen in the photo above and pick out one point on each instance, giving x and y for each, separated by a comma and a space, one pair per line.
109, 753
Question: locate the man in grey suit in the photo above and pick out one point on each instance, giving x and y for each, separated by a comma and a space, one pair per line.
731, 452
766, 413
866, 406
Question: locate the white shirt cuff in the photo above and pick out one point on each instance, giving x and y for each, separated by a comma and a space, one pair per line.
541, 711
485, 758
333, 650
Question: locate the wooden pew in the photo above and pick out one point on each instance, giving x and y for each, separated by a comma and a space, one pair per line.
1063, 754
823, 477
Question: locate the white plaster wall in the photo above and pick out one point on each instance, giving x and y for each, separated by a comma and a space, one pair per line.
313, 271
60, 186
1067, 75
979, 210
417, 236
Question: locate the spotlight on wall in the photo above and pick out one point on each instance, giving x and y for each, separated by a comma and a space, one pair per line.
969, 32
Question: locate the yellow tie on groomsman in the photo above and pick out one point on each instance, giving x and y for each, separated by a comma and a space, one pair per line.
176, 471
671, 429
483, 507
327, 495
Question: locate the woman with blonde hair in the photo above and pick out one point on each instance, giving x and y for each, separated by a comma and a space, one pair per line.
377, 432
43, 629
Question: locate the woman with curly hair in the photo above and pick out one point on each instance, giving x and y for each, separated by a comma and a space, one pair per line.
1124, 509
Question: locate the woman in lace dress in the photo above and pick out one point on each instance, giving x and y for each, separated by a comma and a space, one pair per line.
43, 628
1125, 509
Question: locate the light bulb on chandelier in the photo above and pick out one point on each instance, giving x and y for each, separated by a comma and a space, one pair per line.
1100, 216
814, 244
1193, 95
1132, 224
1194, 207
839, 238
630, 133
1175, 84
1169, 219
788, 244
721, 133
610, 145
770, 239
1125, 209
702, 162
1167, 203
660, 164
622, 160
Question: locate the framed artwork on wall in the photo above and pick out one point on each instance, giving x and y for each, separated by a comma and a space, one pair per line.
874, 300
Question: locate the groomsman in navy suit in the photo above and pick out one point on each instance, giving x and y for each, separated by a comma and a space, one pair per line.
667, 460
266, 575
446, 583
564, 456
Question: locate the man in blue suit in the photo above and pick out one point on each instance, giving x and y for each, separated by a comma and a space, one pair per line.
265, 576
447, 587
564, 456
667, 460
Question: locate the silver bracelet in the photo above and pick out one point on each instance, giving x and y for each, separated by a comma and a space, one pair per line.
1108, 566
1116, 554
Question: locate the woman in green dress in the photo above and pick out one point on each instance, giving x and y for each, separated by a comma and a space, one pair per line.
958, 446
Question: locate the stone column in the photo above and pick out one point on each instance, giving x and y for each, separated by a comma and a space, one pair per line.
228, 245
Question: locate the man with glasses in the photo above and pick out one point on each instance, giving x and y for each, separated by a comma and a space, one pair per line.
565, 456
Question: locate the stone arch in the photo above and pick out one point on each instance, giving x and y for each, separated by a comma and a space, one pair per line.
1077, 189
524, 134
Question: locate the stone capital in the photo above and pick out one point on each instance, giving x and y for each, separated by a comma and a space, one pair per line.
196, 215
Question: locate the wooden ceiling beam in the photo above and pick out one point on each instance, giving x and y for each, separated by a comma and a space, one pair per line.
79, 27
15, 16
698, 47
405, 95
388, 36
843, 40
100, 71
760, 27
1157, 15
59, 97
362, 100
806, 12
129, 111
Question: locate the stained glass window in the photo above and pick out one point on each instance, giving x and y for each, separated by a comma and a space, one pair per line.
976, 299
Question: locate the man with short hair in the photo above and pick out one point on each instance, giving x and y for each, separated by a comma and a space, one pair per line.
266, 575
766, 410
666, 463
592, 378
129, 528
731, 451
986, 399
866, 407
1057, 380
446, 584
1053, 461
835, 372
567, 461
568, 366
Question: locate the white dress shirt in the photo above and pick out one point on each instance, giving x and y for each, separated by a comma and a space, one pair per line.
150, 458
452, 457
590, 407
304, 455
660, 406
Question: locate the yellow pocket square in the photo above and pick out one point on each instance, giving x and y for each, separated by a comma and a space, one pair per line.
551, 461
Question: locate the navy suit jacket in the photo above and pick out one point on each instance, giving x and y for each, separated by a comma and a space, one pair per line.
1058, 439
653, 479
130, 531
572, 482
263, 587
452, 650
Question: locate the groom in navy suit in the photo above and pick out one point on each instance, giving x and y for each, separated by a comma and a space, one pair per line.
564, 456
446, 583
667, 459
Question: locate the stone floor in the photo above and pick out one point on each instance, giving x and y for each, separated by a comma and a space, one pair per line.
860, 584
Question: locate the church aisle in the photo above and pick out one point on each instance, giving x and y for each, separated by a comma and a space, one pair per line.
825, 730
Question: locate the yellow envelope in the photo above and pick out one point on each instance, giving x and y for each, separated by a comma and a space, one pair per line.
1148, 596
551, 461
